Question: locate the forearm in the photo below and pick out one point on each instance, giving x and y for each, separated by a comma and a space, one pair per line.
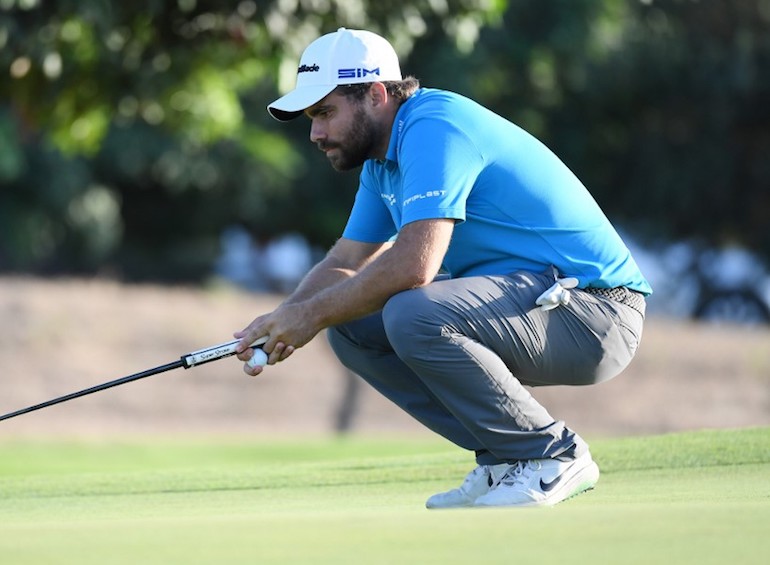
355, 295
324, 275
338, 266
355, 279
412, 262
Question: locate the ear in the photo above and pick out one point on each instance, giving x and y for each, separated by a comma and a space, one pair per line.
378, 95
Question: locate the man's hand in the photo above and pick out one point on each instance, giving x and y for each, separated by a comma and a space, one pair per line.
287, 329
341, 263
355, 279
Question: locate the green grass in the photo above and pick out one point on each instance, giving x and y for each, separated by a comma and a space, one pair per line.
701, 497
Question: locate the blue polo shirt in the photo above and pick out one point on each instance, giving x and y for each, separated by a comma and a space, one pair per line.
517, 206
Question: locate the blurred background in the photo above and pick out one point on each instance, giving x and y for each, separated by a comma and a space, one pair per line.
135, 146
134, 142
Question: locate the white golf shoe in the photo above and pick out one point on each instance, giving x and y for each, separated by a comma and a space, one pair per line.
478, 482
542, 482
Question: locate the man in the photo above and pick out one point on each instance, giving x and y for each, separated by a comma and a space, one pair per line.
449, 289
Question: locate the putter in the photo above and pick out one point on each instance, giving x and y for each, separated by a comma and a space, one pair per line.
188, 360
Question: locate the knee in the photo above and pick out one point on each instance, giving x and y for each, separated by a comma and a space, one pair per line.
336, 336
364, 336
350, 348
409, 320
347, 339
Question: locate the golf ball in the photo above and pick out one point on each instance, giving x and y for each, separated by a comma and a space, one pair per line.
259, 359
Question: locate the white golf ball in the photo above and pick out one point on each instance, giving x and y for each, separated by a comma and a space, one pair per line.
259, 359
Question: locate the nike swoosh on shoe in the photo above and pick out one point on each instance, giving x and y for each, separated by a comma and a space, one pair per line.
547, 487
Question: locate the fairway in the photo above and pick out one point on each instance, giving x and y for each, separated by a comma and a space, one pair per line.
699, 497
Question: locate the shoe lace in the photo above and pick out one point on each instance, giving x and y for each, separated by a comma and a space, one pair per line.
519, 473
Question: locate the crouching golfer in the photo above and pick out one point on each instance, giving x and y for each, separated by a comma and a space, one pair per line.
473, 263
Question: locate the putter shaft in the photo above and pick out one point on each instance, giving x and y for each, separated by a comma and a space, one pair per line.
188, 360
93, 389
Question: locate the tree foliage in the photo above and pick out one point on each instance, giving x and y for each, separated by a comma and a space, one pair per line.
660, 106
132, 133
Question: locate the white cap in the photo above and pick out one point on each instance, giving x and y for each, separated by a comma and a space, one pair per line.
347, 56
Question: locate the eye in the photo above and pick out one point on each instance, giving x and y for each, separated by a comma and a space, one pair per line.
314, 113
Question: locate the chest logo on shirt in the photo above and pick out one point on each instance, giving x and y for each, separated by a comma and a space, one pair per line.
389, 198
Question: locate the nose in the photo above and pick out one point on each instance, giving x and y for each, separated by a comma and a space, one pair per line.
317, 133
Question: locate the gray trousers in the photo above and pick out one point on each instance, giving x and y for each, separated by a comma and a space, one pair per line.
457, 353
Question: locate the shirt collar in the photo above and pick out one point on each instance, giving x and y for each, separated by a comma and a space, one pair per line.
398, 126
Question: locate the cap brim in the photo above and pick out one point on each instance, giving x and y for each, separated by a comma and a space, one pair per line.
294, 103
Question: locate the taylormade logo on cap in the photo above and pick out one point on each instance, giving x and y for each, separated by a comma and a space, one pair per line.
346, 56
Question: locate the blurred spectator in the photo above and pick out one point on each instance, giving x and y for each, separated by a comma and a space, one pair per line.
240, 260
286, 260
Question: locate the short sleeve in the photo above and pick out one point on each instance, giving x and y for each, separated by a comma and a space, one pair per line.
369, 220
439, 166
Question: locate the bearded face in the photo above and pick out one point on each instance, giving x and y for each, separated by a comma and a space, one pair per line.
354, 142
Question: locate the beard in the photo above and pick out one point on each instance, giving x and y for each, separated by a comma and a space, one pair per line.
358, 143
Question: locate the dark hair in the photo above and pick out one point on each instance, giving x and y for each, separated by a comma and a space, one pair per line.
398, 89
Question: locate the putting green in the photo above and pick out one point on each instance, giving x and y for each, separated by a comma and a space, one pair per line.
701, 497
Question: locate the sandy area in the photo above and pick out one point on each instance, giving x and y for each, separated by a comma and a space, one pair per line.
61, 336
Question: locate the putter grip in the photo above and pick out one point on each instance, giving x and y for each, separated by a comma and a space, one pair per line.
213, 353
